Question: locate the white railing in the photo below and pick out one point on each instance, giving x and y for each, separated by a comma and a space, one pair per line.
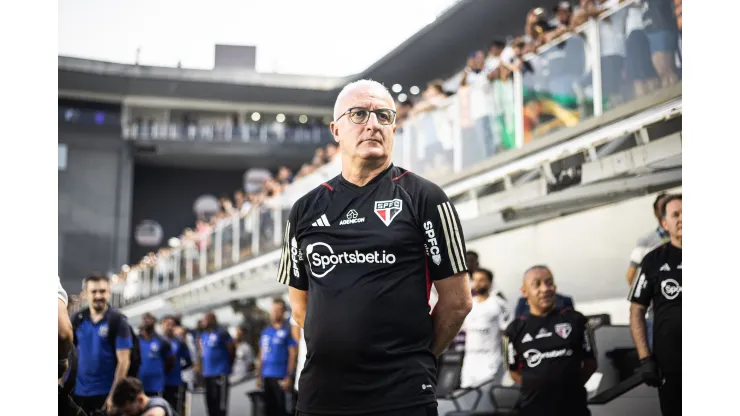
567, 82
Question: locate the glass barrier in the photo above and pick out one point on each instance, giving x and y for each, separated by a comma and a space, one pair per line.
557, 86
562, 84
640, 48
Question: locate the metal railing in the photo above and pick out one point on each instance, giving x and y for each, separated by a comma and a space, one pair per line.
245, 133
593, 69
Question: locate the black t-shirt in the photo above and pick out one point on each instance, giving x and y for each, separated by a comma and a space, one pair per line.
549, 352
660, 282
367, 257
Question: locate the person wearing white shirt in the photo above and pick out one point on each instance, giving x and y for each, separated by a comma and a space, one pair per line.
64, 325
484, 328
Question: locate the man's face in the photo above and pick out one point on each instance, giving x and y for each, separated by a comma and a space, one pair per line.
368, 141
134, 408
278, 312
98, 294
673, 218
480, 284
563, 15
168, 326
539, 289
179, 332
209, 320
148, 321
472, 261
495, 50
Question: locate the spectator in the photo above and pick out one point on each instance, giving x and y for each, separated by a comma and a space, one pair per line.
432, 97
471, 258
473, 73
226, 206
661, 29
541, 272
240, 203
403, 109
285, 176
563, 19
493, 60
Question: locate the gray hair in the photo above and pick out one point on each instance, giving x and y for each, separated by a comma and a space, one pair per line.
362, 83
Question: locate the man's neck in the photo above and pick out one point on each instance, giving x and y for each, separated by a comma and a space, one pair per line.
96, 316
482, 296
677, 241
362, 174
147, 334
277, 324
541, 312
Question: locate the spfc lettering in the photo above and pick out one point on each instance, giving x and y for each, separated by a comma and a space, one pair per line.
387, 211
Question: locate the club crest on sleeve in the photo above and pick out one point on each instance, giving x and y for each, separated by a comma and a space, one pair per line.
387, 211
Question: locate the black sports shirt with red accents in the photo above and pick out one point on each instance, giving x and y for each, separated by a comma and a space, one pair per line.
367, 257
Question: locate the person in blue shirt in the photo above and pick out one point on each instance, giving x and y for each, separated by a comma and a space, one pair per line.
217, 352
104, 342
277, 361
561, 301
174, 387
156, 357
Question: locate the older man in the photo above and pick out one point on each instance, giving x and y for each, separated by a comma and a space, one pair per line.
360, 255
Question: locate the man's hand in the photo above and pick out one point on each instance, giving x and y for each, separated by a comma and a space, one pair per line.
286, 384
259, 383
109, 408
649, 371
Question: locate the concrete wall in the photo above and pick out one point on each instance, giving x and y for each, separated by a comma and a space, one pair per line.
95, 194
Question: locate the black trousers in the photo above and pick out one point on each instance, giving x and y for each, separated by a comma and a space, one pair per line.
90, 404
274, 396
670, 395
424, 410
175, 396
217, 395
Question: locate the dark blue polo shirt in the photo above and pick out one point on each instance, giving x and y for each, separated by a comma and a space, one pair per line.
182, 354
154, 352
96, 367
216, 361
274, 345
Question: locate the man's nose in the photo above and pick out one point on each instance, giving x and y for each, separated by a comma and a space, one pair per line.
372, 122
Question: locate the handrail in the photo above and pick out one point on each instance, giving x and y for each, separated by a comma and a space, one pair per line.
624, 387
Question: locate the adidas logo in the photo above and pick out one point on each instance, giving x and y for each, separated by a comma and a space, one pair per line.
665, 268
321, 222
526, 338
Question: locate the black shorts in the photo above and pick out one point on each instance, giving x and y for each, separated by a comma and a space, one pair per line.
424, 410
639, 58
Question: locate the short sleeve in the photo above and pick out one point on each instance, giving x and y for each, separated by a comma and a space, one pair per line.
443, 234
292, 271
642, 287
588, 342
512, 359
124, 339
61, 293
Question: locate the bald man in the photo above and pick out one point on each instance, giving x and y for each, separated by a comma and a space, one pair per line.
360, 255
550, 352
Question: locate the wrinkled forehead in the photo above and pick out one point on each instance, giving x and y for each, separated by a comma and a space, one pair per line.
369, 97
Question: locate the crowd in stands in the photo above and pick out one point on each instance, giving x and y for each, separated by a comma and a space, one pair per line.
638, 51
